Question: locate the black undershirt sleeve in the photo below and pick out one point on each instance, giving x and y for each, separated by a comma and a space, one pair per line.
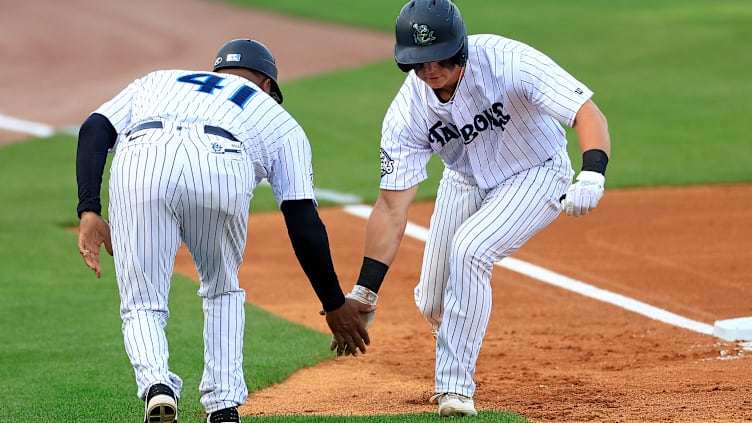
96, 136
311, 244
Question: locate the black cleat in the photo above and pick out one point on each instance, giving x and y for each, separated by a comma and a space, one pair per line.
226, 415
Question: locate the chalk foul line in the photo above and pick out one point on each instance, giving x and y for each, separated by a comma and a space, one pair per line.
564, 282
26, 127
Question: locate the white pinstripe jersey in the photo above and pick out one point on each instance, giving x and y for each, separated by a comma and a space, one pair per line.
505, 117
277, 146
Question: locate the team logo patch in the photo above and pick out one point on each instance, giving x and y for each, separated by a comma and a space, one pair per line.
235, 57
423, 35
218, 61
387, 164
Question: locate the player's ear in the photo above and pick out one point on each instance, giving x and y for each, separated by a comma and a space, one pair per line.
266, 85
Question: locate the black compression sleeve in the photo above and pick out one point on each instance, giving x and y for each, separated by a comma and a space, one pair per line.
95, 137
311, 244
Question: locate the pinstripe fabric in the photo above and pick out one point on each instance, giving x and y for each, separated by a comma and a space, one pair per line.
470, 230
178, 184
506, 116
502, 141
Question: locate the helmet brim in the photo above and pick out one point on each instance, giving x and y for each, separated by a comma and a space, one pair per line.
411, 55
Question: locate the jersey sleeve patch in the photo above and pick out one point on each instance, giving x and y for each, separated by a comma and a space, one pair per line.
387, 164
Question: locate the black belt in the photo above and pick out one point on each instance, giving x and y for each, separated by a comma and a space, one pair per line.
208, 129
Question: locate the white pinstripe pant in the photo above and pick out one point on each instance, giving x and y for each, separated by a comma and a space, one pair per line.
470, 230
166, 187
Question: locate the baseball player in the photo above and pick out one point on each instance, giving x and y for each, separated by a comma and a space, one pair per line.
492, 108
189, 149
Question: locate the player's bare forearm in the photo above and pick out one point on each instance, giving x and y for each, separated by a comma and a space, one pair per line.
595, 144
387, 223
592, 129
383, 236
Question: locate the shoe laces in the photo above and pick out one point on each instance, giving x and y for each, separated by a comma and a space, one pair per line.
445, 396
159, 389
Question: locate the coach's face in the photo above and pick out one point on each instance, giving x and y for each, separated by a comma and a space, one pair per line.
441, 76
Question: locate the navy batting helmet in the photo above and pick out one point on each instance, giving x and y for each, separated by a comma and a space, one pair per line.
429, 31
249, 54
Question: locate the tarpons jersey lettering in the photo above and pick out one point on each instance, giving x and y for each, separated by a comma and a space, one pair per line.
489, 119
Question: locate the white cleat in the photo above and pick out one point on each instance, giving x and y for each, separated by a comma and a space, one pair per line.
454, 405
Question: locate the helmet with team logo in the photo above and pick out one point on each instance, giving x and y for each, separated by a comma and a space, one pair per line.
429, 31
249, 54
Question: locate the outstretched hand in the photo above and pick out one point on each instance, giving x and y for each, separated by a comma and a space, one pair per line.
93, 231
349, 334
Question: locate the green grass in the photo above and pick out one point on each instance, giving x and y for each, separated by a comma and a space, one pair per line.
672, 77
378, 15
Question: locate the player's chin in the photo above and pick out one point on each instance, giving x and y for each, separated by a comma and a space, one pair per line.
435, 83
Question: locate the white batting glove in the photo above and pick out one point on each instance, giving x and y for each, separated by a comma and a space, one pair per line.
584, 195
367, 297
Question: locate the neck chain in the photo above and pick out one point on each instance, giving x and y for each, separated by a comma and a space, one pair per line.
456, 87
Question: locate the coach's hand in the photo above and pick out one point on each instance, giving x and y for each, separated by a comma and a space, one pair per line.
93, 231
368, 300
584, 195
348, 332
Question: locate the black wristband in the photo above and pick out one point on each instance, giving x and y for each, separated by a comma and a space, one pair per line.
372, 274
595, 161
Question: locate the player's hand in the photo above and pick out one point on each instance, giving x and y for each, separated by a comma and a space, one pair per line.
368, 300
584, 195
366, 318
93, 231
348, 332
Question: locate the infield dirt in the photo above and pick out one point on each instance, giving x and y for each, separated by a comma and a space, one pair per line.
550, 355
